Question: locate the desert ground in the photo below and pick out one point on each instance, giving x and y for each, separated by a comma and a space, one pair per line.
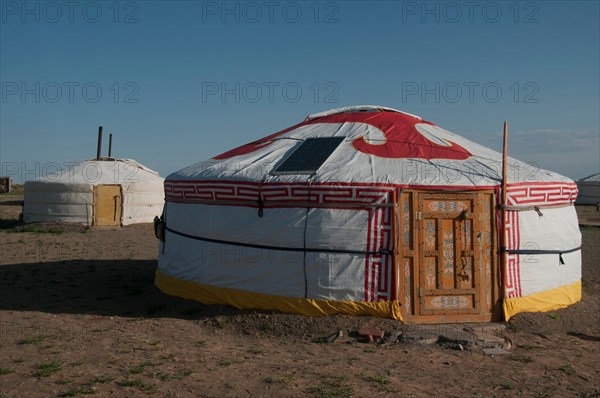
79, 315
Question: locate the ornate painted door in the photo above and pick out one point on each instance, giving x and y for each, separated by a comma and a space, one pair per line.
451, 268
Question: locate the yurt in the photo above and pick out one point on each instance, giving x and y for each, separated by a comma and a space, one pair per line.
367, 210
589, 190
103, 191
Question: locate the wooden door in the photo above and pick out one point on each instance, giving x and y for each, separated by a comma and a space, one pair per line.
108, 203
450, 271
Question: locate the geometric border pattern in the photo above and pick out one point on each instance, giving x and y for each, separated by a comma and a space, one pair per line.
513, 263
378, 268
528, 194
280, 193
541, 193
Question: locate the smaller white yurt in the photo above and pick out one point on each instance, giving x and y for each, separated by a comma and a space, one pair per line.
108, 191
100, 191
589, 190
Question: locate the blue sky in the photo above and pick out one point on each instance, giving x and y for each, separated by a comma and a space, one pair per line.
178, 82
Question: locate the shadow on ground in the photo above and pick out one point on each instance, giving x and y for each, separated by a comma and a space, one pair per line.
95, 287
11, 203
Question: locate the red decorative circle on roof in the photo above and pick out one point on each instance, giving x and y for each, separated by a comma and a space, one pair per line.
402, 139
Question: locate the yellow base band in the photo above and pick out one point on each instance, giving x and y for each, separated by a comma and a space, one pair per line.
548, 300
243, 299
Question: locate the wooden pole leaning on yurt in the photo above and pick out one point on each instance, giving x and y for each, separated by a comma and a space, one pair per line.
110, 145
503, 203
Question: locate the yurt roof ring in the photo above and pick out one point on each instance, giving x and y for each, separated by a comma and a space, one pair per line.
358, 108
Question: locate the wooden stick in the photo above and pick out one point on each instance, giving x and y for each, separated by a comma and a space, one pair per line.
503, 256
99, 152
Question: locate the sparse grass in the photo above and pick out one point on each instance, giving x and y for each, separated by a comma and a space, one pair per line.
507, 385
378, 378
567, 369
332, 387
273, 380
137, 370
76, 363
255, 351
5, 371
138, 383
220, 322
31, 340
267, 326
182, 374
141, 367
226, 362
80, 390
520, 358
162, 376
553, 316
279, 380
201, 343
100, 380
48, 368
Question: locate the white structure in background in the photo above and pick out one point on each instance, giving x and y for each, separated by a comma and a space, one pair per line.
108, 191
589, 190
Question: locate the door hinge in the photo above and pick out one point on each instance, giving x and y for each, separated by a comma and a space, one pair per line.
419, 216
420, 292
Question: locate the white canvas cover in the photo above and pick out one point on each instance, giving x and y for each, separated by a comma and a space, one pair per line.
67, 195
232, 222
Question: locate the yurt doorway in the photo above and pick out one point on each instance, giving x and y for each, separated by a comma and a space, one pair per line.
455, 275
107, 205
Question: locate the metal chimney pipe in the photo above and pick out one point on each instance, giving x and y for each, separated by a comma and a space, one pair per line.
109, 144
98, 153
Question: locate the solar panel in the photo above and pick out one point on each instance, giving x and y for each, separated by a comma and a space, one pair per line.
309, 156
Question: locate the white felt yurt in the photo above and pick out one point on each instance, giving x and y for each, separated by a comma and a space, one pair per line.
370, 211
107, 191
589, 190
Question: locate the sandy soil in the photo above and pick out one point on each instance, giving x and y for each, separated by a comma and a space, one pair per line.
79, 315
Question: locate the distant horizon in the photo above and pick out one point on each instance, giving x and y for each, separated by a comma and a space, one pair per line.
19, 169
180, 82
39, 169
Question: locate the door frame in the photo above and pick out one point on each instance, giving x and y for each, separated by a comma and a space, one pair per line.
411, 313
96, 201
